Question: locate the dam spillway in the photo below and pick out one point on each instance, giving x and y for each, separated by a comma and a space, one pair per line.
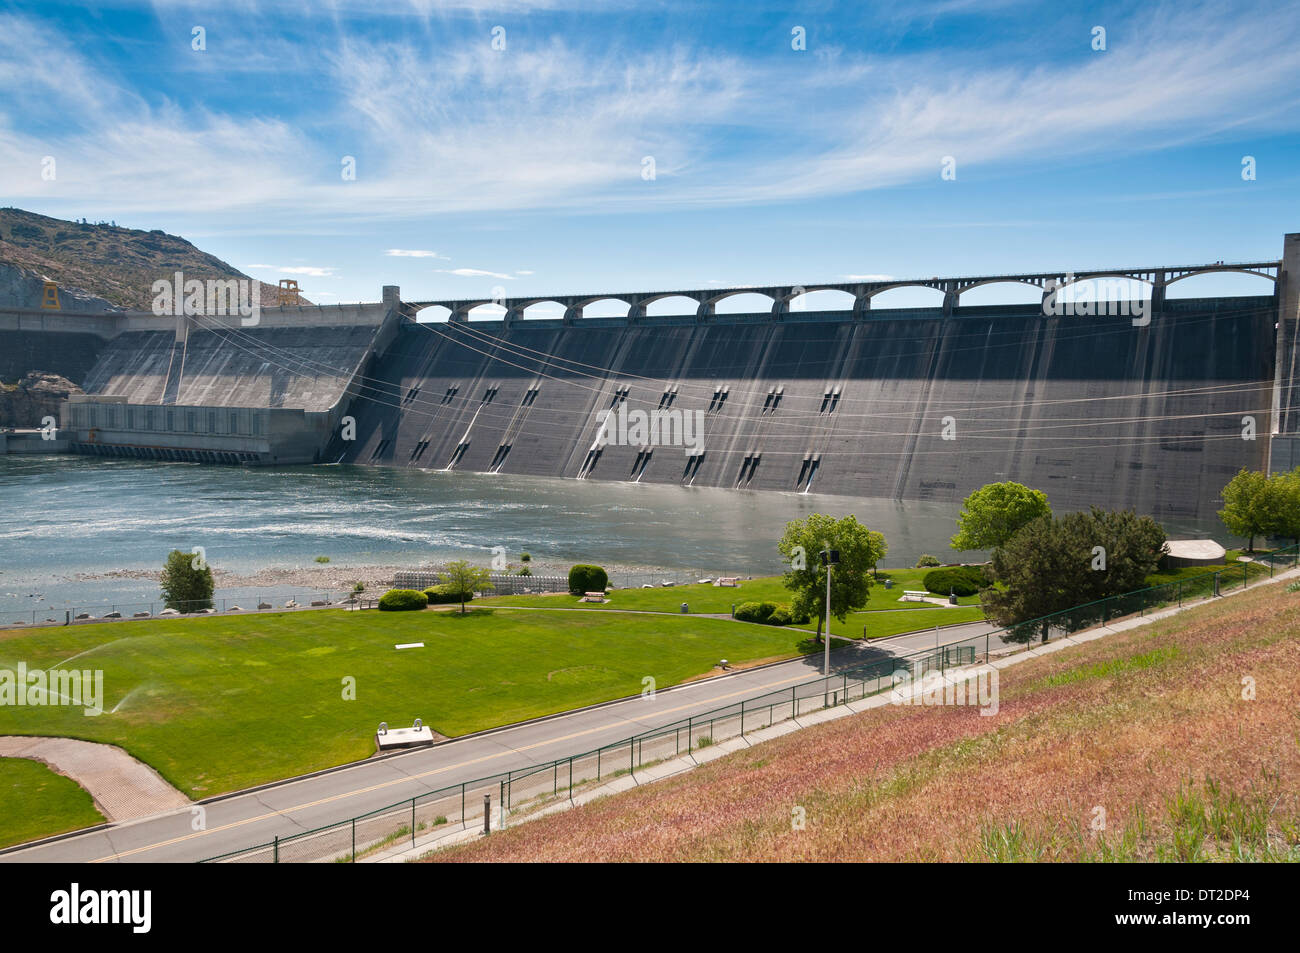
915, 404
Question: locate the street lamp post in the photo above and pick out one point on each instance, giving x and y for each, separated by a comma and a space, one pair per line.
830, 557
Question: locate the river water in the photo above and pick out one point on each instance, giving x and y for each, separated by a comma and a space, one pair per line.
67, 521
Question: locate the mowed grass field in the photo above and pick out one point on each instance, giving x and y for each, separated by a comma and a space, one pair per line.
35, 802
710, 599
220, 703
1151, 725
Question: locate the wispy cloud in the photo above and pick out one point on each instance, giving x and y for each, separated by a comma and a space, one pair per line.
473, 273
412, 253
563, 123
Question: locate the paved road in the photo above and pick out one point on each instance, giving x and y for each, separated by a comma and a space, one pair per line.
257, 816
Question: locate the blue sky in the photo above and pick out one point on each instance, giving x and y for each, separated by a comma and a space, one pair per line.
525, 167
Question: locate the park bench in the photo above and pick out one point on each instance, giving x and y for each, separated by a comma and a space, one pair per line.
913, 595
592, 597
729, 581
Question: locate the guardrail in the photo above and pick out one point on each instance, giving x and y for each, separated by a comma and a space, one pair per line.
520, 791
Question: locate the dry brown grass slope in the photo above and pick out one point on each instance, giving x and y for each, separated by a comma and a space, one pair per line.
1149, 725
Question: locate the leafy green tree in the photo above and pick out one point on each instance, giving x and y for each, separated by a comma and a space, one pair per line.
1057, 563
860, 550
186, 582
463, 579
1252, 505
1286, 505
992, 514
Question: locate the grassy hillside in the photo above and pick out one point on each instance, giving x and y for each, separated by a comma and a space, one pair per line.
1147, 731
113, 263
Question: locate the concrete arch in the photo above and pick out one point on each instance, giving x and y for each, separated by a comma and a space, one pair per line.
486, 310
603, 306
993, 291
1236, 275
433, 312
546, 308
752, 301
822, 299
1103, 276
906, 294
671, 303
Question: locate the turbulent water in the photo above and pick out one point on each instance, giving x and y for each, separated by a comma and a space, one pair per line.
66, 518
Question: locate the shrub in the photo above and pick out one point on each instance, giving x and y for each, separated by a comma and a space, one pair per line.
402, 600
444, 595
963, 580
524, 572
526, 557
755, 611
585, 578
780, 617
926, 561
322, 559
186, 581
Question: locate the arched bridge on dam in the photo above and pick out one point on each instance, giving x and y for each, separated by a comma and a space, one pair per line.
783, 297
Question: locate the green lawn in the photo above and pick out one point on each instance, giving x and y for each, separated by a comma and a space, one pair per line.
224, 702
714, 599
878, 625
35, 802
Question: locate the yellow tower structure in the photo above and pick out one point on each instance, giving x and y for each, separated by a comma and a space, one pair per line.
50, 300
289, 291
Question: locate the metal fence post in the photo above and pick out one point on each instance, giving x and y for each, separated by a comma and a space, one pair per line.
412, 822
354, 840
275, 849
462, 805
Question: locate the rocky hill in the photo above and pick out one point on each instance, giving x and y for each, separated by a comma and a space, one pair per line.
116, 265
36, 396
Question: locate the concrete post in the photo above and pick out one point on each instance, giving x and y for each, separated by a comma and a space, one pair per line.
1288, 318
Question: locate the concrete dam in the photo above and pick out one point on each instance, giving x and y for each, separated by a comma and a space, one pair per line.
918, 404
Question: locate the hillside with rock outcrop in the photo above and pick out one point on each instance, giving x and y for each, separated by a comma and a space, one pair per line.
36, 396
99, 267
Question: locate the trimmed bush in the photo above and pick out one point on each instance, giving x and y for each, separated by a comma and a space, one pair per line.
963, 580
755, 611
402, 600
926, 561
444, 595
780, 617
585, 578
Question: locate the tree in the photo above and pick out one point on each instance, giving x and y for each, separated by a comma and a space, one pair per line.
860, 550
185, 586
1248, 502
1052, 564
465, 579
992, 514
